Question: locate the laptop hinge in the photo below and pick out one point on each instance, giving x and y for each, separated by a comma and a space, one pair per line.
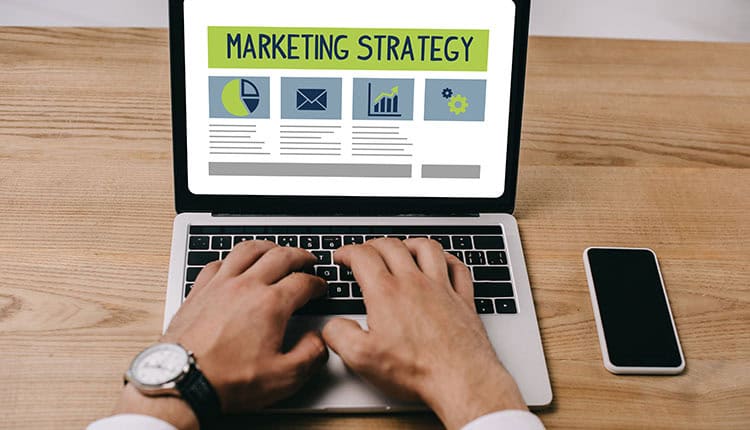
457, 215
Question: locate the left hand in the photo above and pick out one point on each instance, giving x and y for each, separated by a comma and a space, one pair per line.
234, 322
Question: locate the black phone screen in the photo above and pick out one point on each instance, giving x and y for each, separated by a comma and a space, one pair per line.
633, 307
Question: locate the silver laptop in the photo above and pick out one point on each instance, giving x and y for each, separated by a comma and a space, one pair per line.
320, 124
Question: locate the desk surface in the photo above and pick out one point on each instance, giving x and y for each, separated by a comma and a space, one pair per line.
626, 143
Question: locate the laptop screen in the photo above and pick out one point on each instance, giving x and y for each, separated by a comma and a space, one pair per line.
339, 98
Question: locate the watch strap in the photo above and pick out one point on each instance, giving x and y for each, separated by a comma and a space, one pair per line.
198, 392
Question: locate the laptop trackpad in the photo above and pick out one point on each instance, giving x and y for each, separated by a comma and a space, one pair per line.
334, 387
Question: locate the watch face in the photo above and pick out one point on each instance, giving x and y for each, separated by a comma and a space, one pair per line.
159, 364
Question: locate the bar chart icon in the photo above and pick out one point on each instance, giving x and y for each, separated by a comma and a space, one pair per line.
384, 104
383, 99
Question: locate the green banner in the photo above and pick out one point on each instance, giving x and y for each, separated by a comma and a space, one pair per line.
348, 48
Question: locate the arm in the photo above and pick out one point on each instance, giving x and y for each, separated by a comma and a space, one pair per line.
424, 339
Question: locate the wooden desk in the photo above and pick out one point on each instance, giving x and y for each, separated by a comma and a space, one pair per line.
625, 143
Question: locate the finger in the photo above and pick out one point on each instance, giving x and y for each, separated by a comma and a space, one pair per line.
347, 339
244, 255
298, 288
208, 272
278, 262
366, 263
204, 277
460, 278
301, 362
368, 268
191, 308
430, 257
395, 254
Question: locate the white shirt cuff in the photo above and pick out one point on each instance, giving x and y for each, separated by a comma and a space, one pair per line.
510, 419
129, 422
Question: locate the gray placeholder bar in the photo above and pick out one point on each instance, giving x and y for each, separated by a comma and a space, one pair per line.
309, 169
450, 171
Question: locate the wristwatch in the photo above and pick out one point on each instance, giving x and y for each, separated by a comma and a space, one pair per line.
168, 369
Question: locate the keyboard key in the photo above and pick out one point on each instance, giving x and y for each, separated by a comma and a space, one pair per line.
309, 242
338, 289
331, 242
496, 258
505, 306
221, 242
457, 254
346, 274
417, 236
197, 258
238, 239
488, 242
397, 236
443, 240
461, 242
329, 273
224, 254
491, 273
192, 273
198, 242
188, 288
493, 289
353, 240
290, 241
371, 237
268, 238
484, 306
324, 257
356, 291
333, 307
474, 258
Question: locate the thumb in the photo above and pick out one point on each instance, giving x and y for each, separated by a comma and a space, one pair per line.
347, 339
307, 356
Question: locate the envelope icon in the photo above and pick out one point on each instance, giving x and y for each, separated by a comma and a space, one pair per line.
315, 99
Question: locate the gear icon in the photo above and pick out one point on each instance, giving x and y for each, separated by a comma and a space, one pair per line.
458, 104
447, 93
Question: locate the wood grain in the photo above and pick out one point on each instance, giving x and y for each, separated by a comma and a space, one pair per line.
625, 143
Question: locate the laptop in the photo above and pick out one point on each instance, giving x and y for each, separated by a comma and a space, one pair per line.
320, 124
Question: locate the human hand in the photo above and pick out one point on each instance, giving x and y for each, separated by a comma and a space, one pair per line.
424, 339
234, 322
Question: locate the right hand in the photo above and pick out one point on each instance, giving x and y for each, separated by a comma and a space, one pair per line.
424, 340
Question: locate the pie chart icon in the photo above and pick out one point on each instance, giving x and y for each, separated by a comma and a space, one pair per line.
240, 97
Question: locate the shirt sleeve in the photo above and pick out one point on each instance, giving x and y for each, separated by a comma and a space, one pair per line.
517, 420
510, 419
129, 422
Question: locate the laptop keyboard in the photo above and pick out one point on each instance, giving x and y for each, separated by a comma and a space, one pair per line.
482, 248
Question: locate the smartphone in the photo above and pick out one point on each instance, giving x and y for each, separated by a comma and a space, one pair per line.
636, 330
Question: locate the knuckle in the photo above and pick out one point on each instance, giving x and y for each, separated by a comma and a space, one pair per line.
252, 245
273, 296
287, 252
462, 268
237, 283
213, 265
247, 244
434, 245
421, 241
277, 250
